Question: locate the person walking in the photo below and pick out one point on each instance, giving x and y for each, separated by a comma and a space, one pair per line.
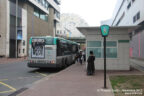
84, 56
90, 66
80, 57
77, 57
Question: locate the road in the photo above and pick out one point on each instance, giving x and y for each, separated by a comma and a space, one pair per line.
17, 76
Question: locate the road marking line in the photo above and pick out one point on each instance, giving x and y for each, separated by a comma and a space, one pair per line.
10, 87
42, 74
3, 79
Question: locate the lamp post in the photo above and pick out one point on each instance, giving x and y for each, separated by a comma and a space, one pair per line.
105, 33
16, 28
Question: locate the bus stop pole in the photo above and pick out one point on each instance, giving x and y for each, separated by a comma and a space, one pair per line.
104, 62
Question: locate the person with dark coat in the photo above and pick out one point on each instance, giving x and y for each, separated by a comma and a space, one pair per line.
77, 57
84, 56
80, 57
90, 66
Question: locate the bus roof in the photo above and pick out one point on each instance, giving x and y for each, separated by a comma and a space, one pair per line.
52, 37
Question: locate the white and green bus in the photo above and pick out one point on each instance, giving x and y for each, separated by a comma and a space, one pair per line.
51, 52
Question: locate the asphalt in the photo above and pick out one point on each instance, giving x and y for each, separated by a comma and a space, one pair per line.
15, 76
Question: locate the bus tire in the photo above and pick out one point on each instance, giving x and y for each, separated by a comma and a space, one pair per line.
73, 62
66, 63
63, 63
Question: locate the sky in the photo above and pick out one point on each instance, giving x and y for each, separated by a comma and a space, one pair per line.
92, 11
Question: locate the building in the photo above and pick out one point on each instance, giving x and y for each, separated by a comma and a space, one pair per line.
130, 13
21, 19
117, 49
67, 26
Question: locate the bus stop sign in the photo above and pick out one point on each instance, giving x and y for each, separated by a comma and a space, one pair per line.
105, 30
105, 33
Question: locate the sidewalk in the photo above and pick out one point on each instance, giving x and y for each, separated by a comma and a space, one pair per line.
10, 60
73, 81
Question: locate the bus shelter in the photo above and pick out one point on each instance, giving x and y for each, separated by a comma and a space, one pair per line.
117, 46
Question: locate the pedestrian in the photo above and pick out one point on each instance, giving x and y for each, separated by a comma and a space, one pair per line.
84, 56
90, 66
77, 57
80, 57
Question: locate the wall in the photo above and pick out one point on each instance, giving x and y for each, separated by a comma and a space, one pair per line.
38, 27
137, 45
4, 27
136, 6
122, 61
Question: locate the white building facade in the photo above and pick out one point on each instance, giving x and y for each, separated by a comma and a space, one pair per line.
128, 12
131, 13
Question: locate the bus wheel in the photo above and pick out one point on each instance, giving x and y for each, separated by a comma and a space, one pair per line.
64, 64
73, 62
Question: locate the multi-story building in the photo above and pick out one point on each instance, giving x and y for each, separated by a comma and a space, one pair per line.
131, 13
68, 24
21, 19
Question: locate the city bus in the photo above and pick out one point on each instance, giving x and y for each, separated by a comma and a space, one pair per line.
51, 52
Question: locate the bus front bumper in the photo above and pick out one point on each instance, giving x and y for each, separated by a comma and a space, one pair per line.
43, 65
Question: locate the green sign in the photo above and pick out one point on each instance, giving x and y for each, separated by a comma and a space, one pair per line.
104, 30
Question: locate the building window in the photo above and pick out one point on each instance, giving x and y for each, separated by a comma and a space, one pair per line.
43, 3
136, 17
23, 42
23, 50
57, 14
36, 12
97, 48
46, 4
43, 16
129, 5
40, 14
133, 0
57, 31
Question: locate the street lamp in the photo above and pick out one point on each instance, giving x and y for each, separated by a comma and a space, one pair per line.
16, 27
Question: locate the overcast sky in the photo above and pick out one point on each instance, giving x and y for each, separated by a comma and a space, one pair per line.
92, 11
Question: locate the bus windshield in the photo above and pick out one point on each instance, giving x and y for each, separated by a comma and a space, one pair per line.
49, 41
